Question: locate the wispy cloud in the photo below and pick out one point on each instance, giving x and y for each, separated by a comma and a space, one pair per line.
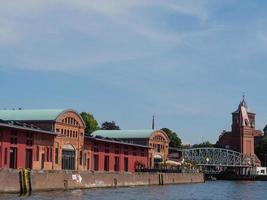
106, 27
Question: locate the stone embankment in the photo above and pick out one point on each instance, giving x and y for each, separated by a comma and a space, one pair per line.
11, 181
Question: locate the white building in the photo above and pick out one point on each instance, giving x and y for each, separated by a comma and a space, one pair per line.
261, 171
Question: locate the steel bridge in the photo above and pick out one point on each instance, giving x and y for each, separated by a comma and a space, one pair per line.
218, 157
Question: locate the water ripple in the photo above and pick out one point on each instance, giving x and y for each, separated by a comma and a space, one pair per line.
217, 190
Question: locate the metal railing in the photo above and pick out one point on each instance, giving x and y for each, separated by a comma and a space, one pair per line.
218, 157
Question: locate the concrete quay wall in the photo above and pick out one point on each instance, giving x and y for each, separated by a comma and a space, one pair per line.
63, 180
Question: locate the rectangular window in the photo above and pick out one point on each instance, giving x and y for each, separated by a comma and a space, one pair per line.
29, 138
13, 138
28, 159
106, 150
13, 157
158, 147
126, 164
51, 152
106, 163
96, 162
117, 164
81, 157
84, 160
37, 153
56, 155
88, 163
5, 161
47, 154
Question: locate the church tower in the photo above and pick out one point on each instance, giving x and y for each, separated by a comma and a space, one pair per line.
241, 137
243, 127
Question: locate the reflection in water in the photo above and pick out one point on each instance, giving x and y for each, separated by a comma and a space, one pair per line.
220, 190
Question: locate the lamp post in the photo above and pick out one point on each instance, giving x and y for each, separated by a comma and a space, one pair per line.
207, 161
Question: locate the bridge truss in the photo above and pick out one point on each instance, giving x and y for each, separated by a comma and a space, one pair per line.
218, 157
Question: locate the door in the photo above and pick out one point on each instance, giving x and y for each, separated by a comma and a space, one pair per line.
68, 159
28, 160
13, 158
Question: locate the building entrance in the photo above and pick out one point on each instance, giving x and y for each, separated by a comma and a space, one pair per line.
157, 161
68, 157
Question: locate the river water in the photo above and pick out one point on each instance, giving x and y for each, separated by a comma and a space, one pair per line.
221, 190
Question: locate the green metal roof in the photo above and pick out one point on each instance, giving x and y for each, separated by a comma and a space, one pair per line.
123, 133
30, 114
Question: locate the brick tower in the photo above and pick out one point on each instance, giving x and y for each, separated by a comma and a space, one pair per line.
241, 137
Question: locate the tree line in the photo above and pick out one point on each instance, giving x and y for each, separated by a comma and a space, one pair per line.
175, 141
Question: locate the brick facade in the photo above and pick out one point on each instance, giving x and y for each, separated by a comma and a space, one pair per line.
157, 140
70, 127
241, 137
159, 143
61, 144
107, 152
19, 144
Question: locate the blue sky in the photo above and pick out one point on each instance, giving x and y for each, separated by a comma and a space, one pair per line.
185, 61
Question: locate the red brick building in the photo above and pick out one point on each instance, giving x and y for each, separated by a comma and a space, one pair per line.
23, 146
157, 140
66, 151
241, 137
111, 155
54, 139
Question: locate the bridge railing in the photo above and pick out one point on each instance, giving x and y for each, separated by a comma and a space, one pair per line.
218, 157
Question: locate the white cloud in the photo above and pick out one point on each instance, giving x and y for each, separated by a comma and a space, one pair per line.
199, 9
124, 12
53, 34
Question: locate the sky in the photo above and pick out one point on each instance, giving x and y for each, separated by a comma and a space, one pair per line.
188, 62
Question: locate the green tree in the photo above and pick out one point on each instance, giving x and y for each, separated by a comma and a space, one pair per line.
261, 150
175, 141
90, 122
109, 126
203, 144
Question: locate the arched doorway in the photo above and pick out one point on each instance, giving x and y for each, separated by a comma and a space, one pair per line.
157, 160
68, 157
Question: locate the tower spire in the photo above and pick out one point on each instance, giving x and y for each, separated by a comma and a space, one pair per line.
243, 102
153, 122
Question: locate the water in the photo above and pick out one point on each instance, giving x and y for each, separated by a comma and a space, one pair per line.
219, 190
